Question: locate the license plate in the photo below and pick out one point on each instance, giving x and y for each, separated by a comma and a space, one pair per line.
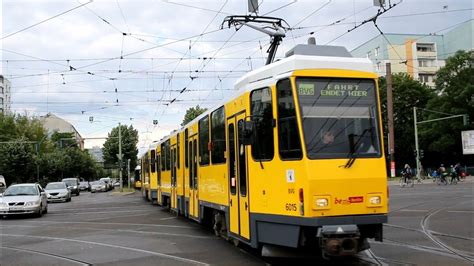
16, 208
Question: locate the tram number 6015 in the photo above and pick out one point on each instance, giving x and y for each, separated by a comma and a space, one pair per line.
291, 207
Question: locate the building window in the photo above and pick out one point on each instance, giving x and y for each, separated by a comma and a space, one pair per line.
1, 101
2, 90
423, 78
378, 67
425, 63
289, 142
376, 51
218, 136
425, 47
204, 141
262, 115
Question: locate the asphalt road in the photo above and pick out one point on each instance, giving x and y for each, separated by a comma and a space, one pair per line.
428, 225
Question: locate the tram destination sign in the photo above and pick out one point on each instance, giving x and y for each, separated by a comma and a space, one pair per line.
334, 89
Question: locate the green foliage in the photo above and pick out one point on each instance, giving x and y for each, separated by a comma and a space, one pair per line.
129, 146
192, 113
17, 163
455, 89
56, 157
407, 93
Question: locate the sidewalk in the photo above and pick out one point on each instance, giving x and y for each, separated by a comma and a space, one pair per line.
468, 179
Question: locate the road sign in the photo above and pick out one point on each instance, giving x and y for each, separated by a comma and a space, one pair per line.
120, 156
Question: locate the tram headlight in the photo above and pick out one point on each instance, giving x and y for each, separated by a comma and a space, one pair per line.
375, 200
321, 203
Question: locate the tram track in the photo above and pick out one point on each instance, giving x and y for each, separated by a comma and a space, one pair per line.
36, 252
424, 226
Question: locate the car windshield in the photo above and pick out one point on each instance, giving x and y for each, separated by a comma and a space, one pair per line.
21, 191
339, 117
70, 182
55, 186
98, 183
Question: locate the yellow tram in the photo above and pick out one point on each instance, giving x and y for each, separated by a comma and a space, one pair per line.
294, 159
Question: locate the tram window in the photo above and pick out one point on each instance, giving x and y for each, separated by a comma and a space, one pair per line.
177, 150
232, 175
168, 155
204, 141
152, 161
262, 115
186, 150
190, 159
218, 136
163, 156
195, 177
158, 161
242, 161
288, 138
339, 117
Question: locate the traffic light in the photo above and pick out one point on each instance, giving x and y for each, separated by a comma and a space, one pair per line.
422, 154
465, 119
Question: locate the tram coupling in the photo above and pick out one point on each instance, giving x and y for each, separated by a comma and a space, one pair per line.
339, 240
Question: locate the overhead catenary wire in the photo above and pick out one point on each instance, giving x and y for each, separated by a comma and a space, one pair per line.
45, 20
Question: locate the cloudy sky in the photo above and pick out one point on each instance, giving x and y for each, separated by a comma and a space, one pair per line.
125, 61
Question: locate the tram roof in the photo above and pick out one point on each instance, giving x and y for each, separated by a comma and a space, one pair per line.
301, 62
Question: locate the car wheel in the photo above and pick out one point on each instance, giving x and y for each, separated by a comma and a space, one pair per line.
40, 212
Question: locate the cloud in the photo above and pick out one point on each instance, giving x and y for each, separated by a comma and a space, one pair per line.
92, 46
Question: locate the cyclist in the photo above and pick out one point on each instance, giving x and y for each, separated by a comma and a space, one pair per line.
442, 174
406, 173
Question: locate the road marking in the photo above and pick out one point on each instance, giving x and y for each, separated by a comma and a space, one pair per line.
169, 218
408, 210
95, 223
107, 212
47, 255
462, 211
118, 230
165, 234
158, 254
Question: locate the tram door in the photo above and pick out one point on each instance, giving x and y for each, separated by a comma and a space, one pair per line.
173, 178
193, 180
238, 202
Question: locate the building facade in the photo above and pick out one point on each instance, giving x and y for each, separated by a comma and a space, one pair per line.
5, 95
53, 123
420, 56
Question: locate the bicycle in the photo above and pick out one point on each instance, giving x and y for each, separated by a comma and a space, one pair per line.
442, 179
406, 181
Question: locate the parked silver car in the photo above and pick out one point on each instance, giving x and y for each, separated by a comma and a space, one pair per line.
97, 186
24, 199
57, 191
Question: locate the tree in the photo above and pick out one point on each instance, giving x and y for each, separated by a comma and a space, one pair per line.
407, 93
129, 146
57, 157
455, 89
192, 113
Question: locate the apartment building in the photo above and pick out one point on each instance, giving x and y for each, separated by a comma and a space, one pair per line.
5, 95
420, 56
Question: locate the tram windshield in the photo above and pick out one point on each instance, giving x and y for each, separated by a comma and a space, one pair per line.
339, 117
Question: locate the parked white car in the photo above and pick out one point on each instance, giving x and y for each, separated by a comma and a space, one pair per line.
24, 199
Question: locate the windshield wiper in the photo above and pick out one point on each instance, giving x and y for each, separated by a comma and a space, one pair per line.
354, 146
